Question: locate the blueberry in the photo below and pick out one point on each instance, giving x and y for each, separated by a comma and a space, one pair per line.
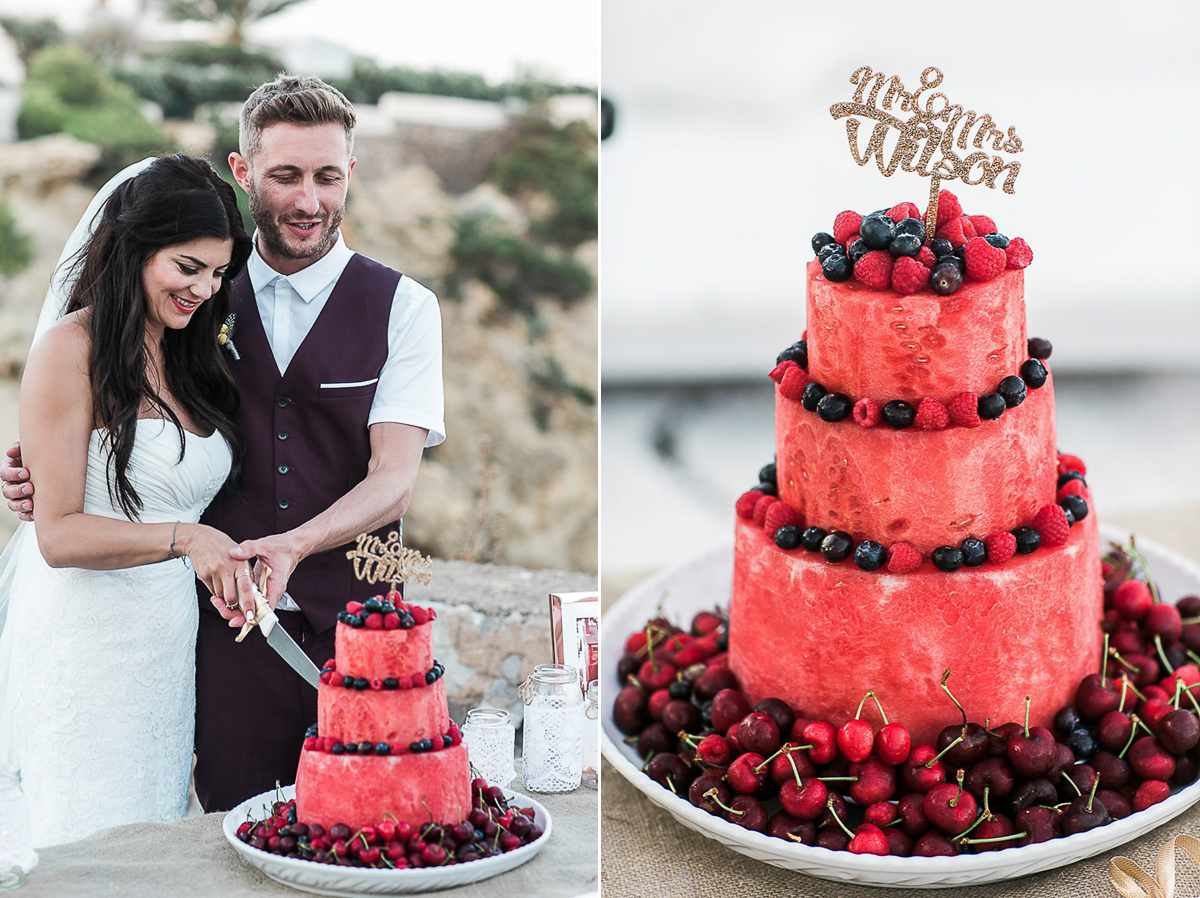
812, 394
430, 677
997, 240
351, 748
947, 558
1076, 505
343, 617
1067, 514
991, 406
913, 226
857, 249
960, 253
391, 683
382, 748
941, 247
348, 682
812, 537
447, 740
877, 230
722, 646
415, 747
427, 745
1028, 539
1033, 373
834, 407
680, 689
1012, 388
974, 551
366, 748
361, 683
828, 250
354, 620
338, 748
821, 239
898, 414
373, 605
767, 473
945, 278
870, 555
797, 352
1066, 720
768, 488
387, 608
1039, 348
407, 621
1067, 476
787, 537
311, 732
837, 268
1082, 743
837, 546
905, 245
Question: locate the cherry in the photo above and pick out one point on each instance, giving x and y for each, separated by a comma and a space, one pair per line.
855, 739
869, 839
1187, 768
822, 736
876, 781
961, 745
783, 825
933, 844
1154, 710
881, 813
1113, 771
1066, 720
1164, 621
911, 811
1118, 806
1096, 696
1149, 761
1084, 813
950, 808
994, 832
1032, 751
1178, 731
1039, 823
747, 773
654, 739
1132, 600
759, 733
1077, 781
998, 738
921, 772
713, 750
779, 711
893, 743
790, 762
993, 775
1113, 730
1031, 792
729, 706
669, 770
629, 711
657, 702
804, 799
748, 812
698, 792
653, 675
832, 838
706, 622
680, 715
1150, 792
712, 681
900, 843
1141, 668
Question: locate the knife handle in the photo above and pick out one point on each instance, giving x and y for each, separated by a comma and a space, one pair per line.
261, 608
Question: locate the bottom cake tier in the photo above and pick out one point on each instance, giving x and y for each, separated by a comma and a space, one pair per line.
359, 790
820, 635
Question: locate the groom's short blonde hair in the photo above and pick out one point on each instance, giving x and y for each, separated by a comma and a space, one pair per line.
298, 100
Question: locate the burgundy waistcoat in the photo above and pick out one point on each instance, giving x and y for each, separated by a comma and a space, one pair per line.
307, 447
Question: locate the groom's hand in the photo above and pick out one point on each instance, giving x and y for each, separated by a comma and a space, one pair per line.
17, 488
280, 553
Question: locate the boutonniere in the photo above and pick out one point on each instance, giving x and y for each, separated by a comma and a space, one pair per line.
225, 336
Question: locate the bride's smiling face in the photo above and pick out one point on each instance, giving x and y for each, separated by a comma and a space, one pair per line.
178, 278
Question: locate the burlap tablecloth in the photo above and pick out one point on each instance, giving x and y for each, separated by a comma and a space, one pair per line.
191, 859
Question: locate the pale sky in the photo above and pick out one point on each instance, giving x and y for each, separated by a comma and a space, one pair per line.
557, 38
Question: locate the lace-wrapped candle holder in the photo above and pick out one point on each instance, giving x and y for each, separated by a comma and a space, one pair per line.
17, 856
552, 760
491, 744
591, 734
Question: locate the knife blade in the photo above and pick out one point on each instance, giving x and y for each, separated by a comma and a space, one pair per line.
286, 648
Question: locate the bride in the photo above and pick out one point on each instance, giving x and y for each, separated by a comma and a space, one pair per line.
125, 428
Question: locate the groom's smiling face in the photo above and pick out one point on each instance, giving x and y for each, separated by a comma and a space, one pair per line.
297, 183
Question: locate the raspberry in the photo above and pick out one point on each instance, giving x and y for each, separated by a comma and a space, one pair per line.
984, 261
376, 684
335, 679
761, 507
1071, 463
420, 615
1001, 546
782, 515
1051, 523
779, 370
926, 257
867, 412
969, 228
374, 621
901, 211
931, 415
953, 231
310, 743
948, 207
391, 621
845, 225
1071, 488
874, 270
354, 607
964, 410
903, 559
746, 502
793, 383
1018, 254
983, 225
909, 275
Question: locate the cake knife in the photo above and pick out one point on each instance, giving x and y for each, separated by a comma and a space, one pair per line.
277, 637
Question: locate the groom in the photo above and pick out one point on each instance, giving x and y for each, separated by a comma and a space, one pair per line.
339, 368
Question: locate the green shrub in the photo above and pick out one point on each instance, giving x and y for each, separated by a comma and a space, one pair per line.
16, 249
31, 35
190, 75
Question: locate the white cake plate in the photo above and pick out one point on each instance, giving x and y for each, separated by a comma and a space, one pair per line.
704, 583
350, 882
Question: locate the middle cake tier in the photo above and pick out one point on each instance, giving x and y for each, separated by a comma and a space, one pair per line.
394, 716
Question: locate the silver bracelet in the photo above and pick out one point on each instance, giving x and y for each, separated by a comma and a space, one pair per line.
171, 548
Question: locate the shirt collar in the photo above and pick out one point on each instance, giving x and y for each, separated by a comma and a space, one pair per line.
308, 282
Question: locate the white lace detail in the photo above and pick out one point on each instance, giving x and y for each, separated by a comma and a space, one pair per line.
101, 692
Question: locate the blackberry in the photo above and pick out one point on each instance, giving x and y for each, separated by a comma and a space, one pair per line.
1066, 476
812, 537
828, 250
1028, 539
797, 352
870, 555
941, 247
837, 546
974, 551
947, 558
1033, 373
898, 414
680, 689
837, 268
1039, 348
877, 230
1076, 505
821, 239
945, 278
787, 537
997, 240
1012, 388
857, 249
834, 407
991, 406
768, 488
913, 226
905, 245
812, 394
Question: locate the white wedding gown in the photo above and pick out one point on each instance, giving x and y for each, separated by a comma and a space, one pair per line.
100, 698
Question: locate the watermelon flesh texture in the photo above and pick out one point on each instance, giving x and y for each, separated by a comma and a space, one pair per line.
395, 716
819, 635
383, 653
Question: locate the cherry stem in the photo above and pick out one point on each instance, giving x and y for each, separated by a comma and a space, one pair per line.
795, 769
1162, 654
1187, 690
1010, 836
1027, 717
858, 713
879, 705
671, 784
785, 748
929, 764
712, 796
1074, 785
838, 779
1127, 686
946, 689
1178, 691
1104, 661
1092, 795
837, 819
1136, 554
1116, 656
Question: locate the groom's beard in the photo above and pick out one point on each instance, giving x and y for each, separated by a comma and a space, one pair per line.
270, 230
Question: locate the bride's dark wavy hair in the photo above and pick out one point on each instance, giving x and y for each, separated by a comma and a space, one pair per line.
176, 199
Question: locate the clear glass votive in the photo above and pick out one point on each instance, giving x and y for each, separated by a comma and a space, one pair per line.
591, 734
17, 856
552, 756
491, 744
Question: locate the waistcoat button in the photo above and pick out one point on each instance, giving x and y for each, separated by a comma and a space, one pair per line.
283, 434
282, 401
284, 503
283, 469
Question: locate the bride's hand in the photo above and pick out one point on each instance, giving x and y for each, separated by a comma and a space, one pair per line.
277, 552
226, 578
17, 488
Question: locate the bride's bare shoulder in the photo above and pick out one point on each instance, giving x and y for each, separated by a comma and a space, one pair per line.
62, 350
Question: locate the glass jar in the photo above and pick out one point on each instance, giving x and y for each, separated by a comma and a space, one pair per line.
17, 856
491, 744
591, 734
552, 759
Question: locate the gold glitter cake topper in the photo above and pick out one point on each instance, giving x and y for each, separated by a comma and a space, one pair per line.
935, 141
388, 560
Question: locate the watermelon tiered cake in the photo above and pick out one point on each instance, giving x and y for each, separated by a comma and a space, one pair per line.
918, 516
384, 745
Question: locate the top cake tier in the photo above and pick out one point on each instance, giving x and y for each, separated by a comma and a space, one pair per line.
884, 345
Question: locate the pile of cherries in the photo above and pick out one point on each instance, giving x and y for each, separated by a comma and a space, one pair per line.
491, 828
1131, 736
